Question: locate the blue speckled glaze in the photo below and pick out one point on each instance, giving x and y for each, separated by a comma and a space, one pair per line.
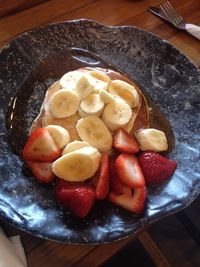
162, 71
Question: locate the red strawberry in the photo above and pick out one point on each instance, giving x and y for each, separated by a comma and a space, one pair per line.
155, 167
132, 199
125, 143
102, 179
129, 171
41, 170
40, 147
77, 198
115, 183
64, 183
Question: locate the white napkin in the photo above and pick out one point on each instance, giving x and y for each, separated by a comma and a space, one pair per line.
11, 251
193, 29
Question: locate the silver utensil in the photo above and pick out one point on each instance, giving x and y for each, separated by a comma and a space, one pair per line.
167, 12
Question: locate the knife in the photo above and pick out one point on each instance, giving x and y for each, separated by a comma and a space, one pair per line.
157, 11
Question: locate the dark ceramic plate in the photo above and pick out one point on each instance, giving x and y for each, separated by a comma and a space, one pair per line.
30, 62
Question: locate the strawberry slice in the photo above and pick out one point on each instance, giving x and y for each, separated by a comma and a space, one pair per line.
64, 183
131, 199
125, 143
102, 179
155, 167
77, 198
115, 183
42, 171
40, 147
129, 171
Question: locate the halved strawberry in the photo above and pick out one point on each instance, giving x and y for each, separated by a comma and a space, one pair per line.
155, 167
129, 171
125, 143
63, 183
131, 199
115, 183
42, 171
77, 198
102, 179
40, 147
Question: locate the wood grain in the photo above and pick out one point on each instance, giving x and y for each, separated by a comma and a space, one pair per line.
73, 255
100, 254
13, 25
165, 30
113, 12
50, 254
10, 7
175, 243
155, 253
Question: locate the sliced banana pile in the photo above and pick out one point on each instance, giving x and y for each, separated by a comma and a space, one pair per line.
104, 106
93, 93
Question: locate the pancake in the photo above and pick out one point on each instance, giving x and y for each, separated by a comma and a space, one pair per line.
139, 119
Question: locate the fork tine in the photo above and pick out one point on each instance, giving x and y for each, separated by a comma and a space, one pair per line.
176, 16
166, 13
171, 13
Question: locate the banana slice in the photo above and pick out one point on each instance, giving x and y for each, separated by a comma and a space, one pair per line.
106, 97
75, 145
100, 80
100, 76
81, 113
92, 105
78, 165
124, 90
152, 139
84, 86
116, 115
68, 80
93, 130
64, 103
59, 134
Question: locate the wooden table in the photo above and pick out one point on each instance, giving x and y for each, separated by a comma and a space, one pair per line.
17, 16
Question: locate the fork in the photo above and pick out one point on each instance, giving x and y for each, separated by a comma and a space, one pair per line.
172, 16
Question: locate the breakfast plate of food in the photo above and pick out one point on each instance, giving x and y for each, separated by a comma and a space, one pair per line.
99, 131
